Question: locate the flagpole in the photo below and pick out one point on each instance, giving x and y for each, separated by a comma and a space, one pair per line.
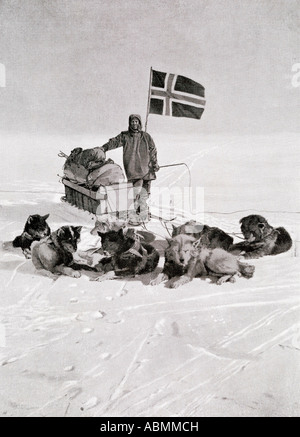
148, 103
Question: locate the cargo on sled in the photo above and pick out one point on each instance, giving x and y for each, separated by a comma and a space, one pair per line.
95, 184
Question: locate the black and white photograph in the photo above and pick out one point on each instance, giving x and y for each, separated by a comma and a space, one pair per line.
149, 210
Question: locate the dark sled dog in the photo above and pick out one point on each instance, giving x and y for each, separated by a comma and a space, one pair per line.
36, 228
215, 236
54, 255
186, 258
261, 238
129, 256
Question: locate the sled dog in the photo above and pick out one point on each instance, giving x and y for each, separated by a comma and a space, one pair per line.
186, 258
129, 255
36, 228
54, 255
216, 237
261, 238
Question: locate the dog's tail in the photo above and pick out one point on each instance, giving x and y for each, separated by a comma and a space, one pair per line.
17, 241
246, 270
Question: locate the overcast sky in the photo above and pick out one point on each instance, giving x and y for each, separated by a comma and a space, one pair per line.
82, 66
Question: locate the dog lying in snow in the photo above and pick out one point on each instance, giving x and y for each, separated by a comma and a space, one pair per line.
54, 255
215, 236
261, 238
186, 258
129, 255
36, 228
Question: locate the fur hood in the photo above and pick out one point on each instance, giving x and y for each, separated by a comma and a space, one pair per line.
139, 119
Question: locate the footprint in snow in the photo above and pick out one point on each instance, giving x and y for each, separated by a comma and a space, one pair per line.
73, 300
91, 403
98, 315
105, 356
94, 315
87, 330
69, 368
9, 361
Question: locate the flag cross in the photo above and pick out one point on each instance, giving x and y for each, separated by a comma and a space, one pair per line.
168, 94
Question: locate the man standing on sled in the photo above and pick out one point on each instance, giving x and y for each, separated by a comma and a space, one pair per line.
140, 163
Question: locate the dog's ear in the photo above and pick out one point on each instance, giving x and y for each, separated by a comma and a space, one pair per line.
29, 220
120, 232
61, 232
174, 227
101, 234
77, 228
45, 216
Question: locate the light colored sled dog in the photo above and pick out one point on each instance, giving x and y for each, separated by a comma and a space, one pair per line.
186, 258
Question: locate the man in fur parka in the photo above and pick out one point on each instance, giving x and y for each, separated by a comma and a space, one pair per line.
140, 163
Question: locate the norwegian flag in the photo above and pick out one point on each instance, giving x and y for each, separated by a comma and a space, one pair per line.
176, 96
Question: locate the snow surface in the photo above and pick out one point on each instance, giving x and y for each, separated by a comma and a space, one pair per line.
72, 347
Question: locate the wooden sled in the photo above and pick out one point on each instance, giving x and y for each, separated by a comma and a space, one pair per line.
117, 199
